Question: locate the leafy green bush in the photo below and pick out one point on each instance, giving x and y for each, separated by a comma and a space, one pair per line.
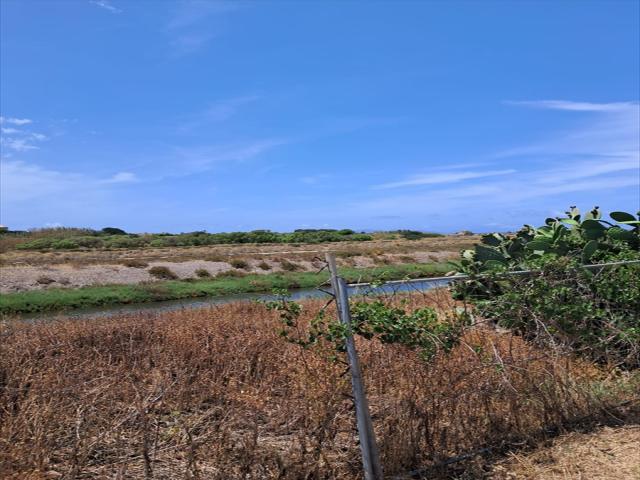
65, 244
589, 240
594, 312
38, 244
121, 241
112, 231
88, 242
162, 273
420, 329
417, 235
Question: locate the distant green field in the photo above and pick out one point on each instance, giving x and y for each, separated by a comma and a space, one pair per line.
69, 299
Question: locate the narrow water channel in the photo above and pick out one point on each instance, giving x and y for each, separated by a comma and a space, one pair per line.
203, 302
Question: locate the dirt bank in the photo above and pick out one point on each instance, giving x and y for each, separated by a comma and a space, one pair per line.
20, 278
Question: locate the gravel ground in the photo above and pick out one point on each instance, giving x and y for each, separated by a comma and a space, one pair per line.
17, 279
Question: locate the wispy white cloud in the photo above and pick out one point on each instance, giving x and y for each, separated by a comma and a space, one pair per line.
217, 112
17, 144
587, 169
14, 121
574, 106
22, 182
33, 195
106, 5
38, 136
190, 160
224, 109
435, 178
18, 140
122, 177
599, 156
612, 134
190, 28
189, 42
189, 13
314, 179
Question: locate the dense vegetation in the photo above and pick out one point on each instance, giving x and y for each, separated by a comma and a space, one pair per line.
110, 238
592, 311
558, 303
416, 234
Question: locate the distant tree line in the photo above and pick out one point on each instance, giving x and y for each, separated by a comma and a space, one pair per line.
110, 237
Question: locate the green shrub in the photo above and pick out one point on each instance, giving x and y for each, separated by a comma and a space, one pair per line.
288, 266
162, 272
89, 242
588, 240
121, 241
203, 273
65, 244
231, 274
593, 312
238, 263
43, 280
417, 235
420, 329
112, 231
38, 244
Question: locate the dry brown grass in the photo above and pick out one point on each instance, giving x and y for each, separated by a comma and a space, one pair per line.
133, 263
609, 453
217, 394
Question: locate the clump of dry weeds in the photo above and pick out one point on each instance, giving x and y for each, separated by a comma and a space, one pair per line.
217, 394
606, 453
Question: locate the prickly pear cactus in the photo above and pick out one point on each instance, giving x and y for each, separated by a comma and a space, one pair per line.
587, 238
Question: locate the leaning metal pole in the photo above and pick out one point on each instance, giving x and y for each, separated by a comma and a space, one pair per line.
368, 446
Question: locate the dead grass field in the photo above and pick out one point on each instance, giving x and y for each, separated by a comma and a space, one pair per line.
217, 394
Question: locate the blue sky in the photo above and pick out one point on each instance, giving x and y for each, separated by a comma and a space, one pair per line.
441, 116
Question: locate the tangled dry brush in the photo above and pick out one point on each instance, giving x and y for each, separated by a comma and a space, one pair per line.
217, 394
